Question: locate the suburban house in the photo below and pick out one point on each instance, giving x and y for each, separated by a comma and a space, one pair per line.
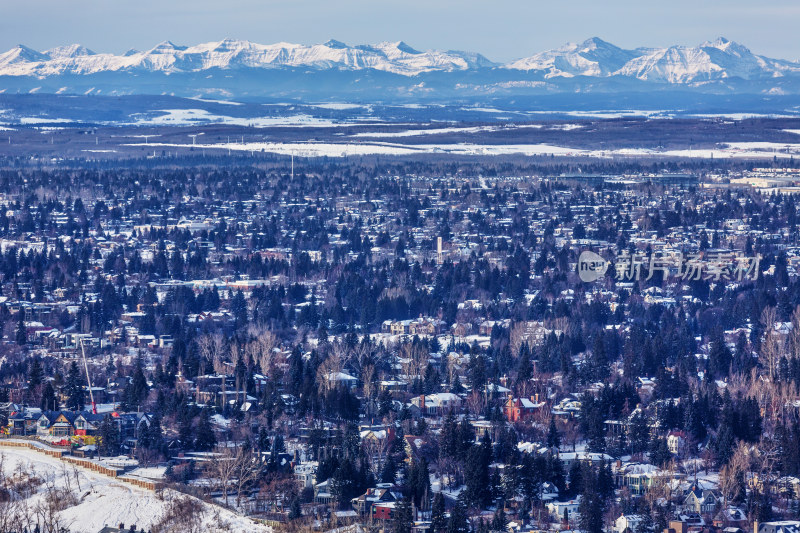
436, 404
383, 493
781, 526
517, 409
627, 523
701, 501
56, 424
676, 442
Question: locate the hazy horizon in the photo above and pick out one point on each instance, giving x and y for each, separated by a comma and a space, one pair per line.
504, 32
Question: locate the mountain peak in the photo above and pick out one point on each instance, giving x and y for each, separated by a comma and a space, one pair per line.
22, 53
72, 50
334, 44
25, 49
227, 45
403, 47
728, 47
594, 43
167, 46
720, 42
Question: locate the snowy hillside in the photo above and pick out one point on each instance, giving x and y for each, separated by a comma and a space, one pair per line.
84, 501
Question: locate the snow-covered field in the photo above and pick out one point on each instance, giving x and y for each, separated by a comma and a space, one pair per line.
188, 117
432, 131
749, 150
376, 148
97, 500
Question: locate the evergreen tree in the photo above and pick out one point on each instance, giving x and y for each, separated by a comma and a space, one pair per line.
154, 434
239, 309
659, 451
418, 483
525, 367
605, 481
553, 437
592, 504
109, 436
403, 520
448, 441
35, 374
499, 521
295, 511
639, 433
457, 523
719, 357
73, 388
555, 473
344, 483
476, 476
724, 444
49, 401
205, 439
389, 470
22, 331
136, 391
575, 479
263, 439
438, 520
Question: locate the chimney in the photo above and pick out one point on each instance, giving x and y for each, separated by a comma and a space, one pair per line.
755, 526
422, 403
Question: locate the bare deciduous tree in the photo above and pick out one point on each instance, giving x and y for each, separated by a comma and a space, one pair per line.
732, 475
794, 336
235, 467
376, 450
183, 515
247, 470
261, 348
772, 345
222, 469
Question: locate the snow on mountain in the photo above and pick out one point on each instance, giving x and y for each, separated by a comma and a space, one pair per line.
398, 58
20, 55
64, 52
711, 60
594, 58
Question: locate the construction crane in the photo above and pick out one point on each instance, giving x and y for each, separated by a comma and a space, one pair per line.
88, 379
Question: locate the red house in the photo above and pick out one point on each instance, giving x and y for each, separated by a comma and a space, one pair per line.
383, 510
517, 409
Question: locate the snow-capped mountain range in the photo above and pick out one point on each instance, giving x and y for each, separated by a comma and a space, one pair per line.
712, 60
398, 58
594, 57
243, 68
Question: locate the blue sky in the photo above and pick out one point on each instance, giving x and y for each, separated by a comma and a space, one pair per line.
500, 29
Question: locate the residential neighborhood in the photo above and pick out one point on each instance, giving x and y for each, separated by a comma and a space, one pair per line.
409, 352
